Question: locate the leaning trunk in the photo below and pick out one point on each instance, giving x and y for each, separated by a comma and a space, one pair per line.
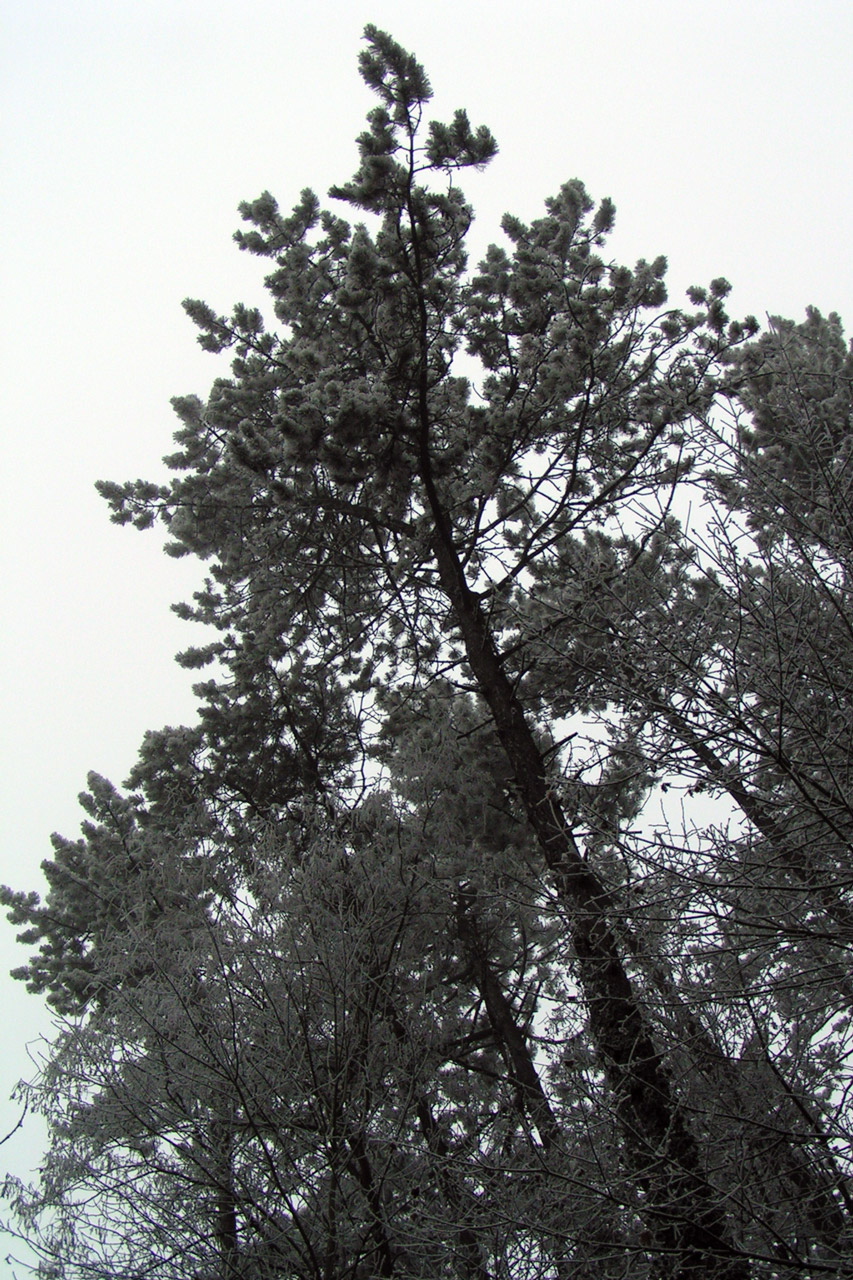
684, 1212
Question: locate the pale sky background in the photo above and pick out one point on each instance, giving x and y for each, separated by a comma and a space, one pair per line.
130, 132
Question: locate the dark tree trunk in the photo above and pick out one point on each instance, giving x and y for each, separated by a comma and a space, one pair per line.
684, 1215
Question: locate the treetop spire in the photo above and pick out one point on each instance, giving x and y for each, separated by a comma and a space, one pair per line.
394, 74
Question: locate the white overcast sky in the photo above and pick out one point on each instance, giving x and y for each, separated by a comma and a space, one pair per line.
131, 129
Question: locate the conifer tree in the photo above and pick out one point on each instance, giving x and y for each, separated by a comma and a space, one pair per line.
379, 969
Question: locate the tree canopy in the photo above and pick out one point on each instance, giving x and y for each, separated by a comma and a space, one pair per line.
494, 918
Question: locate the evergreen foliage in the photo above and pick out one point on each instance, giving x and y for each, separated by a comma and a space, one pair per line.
494, 919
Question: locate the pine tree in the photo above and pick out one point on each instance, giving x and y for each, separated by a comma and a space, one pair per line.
380, 969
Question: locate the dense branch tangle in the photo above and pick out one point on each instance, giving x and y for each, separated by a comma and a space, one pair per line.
417, 579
